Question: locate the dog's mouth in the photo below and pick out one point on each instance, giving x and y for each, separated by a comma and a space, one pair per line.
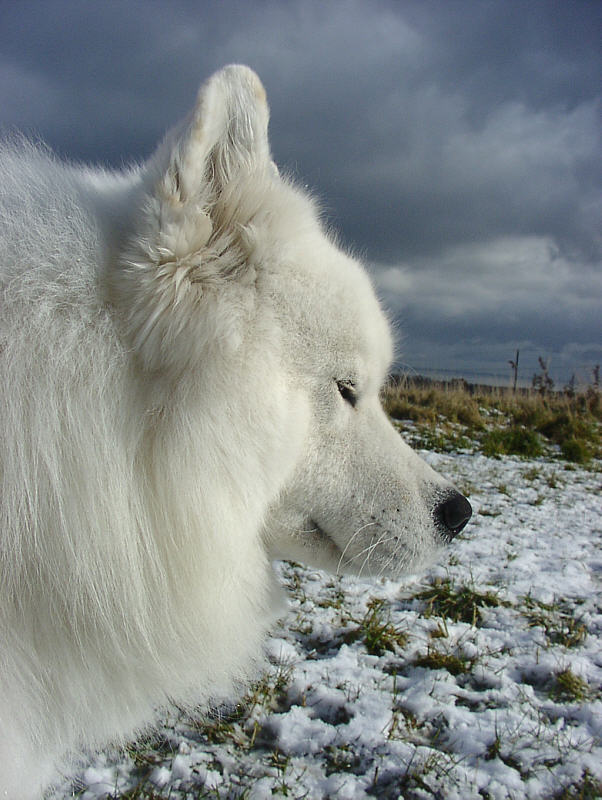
323, 541
319, 534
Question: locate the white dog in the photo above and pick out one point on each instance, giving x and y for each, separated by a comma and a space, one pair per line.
190, 372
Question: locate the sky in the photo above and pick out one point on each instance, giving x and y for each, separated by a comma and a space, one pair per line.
454, 144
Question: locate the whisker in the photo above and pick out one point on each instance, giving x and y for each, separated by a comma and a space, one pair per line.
370, 549
358, 531
391, 558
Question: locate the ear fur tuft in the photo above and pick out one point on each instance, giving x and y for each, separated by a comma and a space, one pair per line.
200, 191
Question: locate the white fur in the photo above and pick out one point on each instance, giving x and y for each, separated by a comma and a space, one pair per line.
171, 340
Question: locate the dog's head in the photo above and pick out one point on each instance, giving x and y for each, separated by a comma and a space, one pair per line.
360, 499
231, 266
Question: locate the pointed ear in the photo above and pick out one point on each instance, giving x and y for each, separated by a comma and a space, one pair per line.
226, 134
187, 252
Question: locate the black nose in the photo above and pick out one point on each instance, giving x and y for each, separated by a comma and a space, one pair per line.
453, 514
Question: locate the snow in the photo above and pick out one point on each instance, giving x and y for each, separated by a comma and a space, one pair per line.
332, 720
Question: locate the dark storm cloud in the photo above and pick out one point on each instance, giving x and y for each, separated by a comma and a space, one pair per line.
456, 145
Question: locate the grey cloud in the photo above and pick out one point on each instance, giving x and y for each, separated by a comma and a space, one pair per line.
435, 133
524, 293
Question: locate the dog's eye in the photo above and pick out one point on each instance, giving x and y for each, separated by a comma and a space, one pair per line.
348, 392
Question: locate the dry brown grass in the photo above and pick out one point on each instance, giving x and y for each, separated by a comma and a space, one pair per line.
570, 420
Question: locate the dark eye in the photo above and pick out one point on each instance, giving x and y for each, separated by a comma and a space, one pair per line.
347, 392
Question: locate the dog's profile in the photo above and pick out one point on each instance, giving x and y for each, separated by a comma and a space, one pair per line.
190, 373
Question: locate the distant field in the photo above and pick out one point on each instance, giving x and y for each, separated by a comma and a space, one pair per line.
499, 421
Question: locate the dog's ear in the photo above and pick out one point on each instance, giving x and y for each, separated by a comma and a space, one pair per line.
201, 190
224, 137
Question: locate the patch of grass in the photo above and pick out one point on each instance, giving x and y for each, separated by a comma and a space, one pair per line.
440, 632
572, 432
412, 781
294, 582
493, 749
149, 751
576, 450
141, 792
487, 512
435, 659
280, 762
439, 439
222, 728
403, 401
449, 415
341, 758
335, 598
377, 631
269, 693
460, 604
403, 722
586, 788
515, 440
559, 625
531, 474
400, 407
569, 687
496, 750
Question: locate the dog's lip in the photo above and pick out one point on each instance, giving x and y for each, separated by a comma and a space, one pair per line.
323, 535
315, 527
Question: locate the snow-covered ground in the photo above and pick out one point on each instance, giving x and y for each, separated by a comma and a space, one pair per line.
376, 692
